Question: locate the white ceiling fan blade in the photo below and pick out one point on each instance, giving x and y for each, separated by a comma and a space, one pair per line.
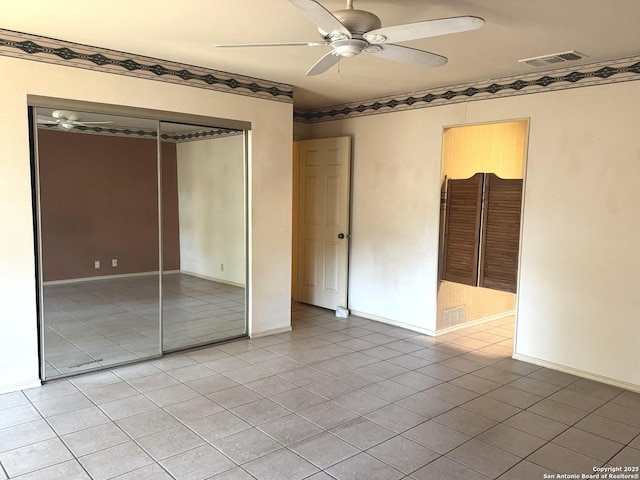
283, 44
399, 53
322, 17
75, 122
426, 29
324, 64
46, 121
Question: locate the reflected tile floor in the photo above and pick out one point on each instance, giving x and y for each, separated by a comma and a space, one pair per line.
110, 321
334, 398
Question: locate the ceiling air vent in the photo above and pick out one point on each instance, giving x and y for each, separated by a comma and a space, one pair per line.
553, 59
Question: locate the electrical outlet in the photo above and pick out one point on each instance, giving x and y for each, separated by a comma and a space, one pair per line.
114, 262
96, 264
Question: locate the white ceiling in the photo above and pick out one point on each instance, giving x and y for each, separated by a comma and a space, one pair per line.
184, 32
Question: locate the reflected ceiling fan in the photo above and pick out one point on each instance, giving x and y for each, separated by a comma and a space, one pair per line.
351, 32
66, 120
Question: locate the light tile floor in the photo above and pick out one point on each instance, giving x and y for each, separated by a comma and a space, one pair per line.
105, 322
334, 398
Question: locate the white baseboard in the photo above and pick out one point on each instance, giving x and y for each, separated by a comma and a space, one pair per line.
479, 321
577, 372
140, 274
395, 323
426, 331
20, 386
212, 279
273, 331
106, 277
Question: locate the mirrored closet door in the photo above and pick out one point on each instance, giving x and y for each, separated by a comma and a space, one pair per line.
204, 267
141, 245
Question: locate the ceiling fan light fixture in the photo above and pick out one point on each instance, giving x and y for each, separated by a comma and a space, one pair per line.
375, 38
64, 115
349, 48
373, 49
333, 36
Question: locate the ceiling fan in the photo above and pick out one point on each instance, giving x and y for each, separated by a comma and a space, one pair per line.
351, 32
66, 120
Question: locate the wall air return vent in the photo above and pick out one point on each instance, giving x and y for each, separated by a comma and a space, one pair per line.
553, 59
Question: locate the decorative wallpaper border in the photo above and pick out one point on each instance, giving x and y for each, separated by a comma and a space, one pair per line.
172, 137
60, 52
204, 134
622, 70
49, 50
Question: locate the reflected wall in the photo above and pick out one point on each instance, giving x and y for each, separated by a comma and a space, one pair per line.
205, 300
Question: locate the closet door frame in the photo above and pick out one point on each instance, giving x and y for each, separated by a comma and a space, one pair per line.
33, 103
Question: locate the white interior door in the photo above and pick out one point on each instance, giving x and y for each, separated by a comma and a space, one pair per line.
323, 221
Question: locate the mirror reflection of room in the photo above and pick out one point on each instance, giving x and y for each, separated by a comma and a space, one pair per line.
204, 298
104, 301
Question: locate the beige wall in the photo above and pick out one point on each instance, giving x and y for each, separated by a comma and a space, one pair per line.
489, 147
494, 148
98, 202
269, 191
577, 301
479, 303
211, 208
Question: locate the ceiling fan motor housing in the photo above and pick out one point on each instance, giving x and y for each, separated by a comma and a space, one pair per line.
358, 22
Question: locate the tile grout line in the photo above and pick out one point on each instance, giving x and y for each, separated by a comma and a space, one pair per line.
46, 420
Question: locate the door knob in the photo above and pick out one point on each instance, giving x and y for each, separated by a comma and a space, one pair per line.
341, 235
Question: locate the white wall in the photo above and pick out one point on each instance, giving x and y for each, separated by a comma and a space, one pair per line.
580, 270
579, 304
270, 215
395, 212
211, 208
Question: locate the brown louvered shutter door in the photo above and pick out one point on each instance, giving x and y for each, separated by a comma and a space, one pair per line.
462, 230
500, 233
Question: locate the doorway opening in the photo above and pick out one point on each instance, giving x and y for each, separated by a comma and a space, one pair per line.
478, 152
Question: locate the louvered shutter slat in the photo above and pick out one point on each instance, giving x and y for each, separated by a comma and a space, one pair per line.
462, 230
